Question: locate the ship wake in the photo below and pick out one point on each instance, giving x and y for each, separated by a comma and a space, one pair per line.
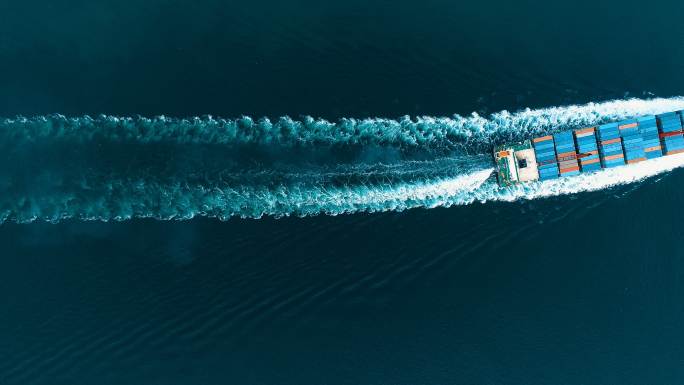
109, 168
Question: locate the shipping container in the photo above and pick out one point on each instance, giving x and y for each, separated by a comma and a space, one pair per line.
632, 142
566, 153
649, 134
545, 153
588, 149
610, 145
670, 129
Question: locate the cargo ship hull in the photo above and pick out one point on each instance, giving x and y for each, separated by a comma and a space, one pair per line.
590, 149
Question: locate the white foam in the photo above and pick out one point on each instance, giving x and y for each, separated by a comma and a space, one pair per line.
313, 193
473, 132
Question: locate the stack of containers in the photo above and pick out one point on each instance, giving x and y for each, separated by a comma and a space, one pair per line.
671, 131
649, 134
566, 153
610, 145
632, 142
546, 157
586, 144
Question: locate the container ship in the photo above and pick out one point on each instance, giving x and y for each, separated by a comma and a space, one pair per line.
585, 150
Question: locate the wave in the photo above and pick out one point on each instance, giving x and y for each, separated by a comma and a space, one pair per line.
123, 199
113, 169
473, 132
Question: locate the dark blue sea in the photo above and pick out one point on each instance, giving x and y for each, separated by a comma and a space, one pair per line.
299, 192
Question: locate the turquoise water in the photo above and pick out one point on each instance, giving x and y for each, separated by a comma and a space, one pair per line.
270, 193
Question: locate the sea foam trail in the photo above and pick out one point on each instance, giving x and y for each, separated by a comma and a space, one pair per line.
474, 132
90, 169
124, 199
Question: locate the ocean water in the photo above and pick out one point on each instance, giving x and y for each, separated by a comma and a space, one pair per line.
299, 193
